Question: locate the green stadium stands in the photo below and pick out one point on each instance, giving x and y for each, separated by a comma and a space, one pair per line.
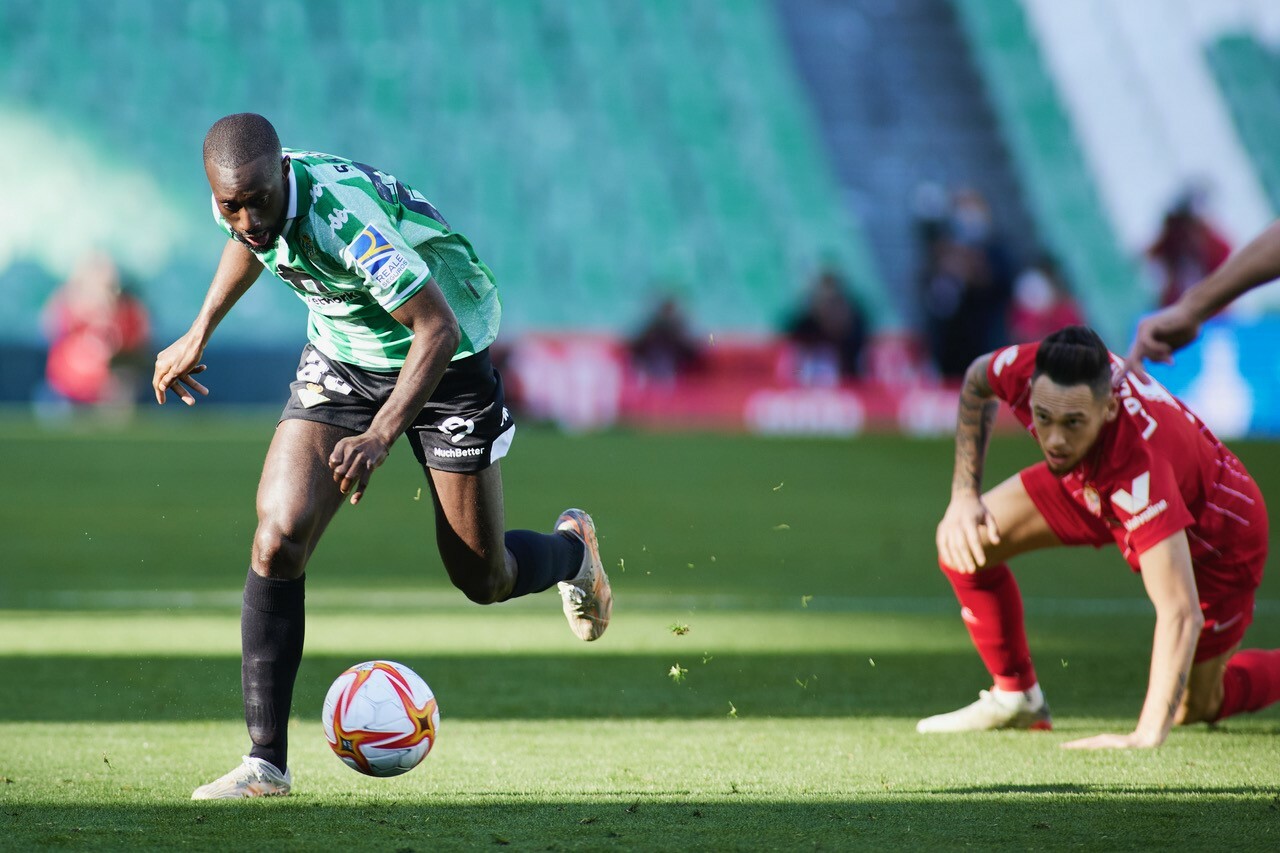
1057, 181
1249, 76
595, 152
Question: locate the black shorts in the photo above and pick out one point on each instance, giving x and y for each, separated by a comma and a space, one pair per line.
465, 427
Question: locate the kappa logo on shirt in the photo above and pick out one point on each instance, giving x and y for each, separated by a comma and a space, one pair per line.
375, 254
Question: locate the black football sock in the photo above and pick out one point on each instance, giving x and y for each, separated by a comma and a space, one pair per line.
271, 630
543, 559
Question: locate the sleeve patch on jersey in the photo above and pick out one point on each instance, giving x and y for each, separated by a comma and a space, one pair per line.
1004, 359
375, 254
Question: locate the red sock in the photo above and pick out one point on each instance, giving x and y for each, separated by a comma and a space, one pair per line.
1251, 682
991, 607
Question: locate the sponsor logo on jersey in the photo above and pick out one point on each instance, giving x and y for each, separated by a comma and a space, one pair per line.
457, 452
1146, 515
1134, 502
374, 253
457, 428
335, 299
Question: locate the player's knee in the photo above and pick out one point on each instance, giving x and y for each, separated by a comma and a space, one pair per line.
277, 552
481, 580
1199, 708
481, 589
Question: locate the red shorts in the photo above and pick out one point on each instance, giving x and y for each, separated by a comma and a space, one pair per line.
1227, 611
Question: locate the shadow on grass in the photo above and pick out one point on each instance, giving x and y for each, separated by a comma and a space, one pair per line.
1271, 792
999, 820
507, 687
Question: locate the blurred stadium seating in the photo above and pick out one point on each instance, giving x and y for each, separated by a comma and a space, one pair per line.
1248, 73
593, 151
1055, 175
599, 152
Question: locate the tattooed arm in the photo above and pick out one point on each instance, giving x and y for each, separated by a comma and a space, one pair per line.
1171, 584
968, 527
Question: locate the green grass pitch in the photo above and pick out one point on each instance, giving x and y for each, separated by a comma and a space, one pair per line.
818, 631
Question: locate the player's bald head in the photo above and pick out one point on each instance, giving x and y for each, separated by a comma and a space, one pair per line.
238, 140
249, 177
1075, 355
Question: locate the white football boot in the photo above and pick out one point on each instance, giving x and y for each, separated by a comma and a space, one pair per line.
588, 600
995, 709
253, 778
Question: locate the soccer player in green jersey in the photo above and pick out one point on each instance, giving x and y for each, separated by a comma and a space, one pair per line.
401, 315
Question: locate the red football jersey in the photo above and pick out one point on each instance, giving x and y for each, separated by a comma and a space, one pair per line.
1155, 470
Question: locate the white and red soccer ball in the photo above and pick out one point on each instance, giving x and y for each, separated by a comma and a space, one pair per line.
380, 718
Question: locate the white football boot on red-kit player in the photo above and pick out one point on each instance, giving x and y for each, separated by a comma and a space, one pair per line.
995, 709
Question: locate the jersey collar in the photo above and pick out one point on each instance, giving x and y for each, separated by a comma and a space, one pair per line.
297, 187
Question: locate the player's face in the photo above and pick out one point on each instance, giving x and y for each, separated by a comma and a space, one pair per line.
1068, 419
252, 198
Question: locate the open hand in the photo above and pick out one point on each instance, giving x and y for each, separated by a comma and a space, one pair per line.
175, 365
1111, 741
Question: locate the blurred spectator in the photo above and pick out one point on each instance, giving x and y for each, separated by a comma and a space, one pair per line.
665, 347
966, 286
1042, 302
827, 334
930, 210
1187, 249
98, 335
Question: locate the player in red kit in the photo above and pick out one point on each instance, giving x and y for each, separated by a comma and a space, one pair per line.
1125, 462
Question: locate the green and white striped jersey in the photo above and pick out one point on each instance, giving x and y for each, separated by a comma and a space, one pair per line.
357, 244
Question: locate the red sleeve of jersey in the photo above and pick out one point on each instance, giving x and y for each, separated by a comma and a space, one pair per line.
1149, 504
1010, 370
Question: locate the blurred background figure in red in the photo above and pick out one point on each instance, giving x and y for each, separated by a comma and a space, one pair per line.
1187, 248
98, 335
1042, 302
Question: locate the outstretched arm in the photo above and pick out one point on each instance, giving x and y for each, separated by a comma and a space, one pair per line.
1172, 328
435, 341
1171, 584
177, 363
962, 529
